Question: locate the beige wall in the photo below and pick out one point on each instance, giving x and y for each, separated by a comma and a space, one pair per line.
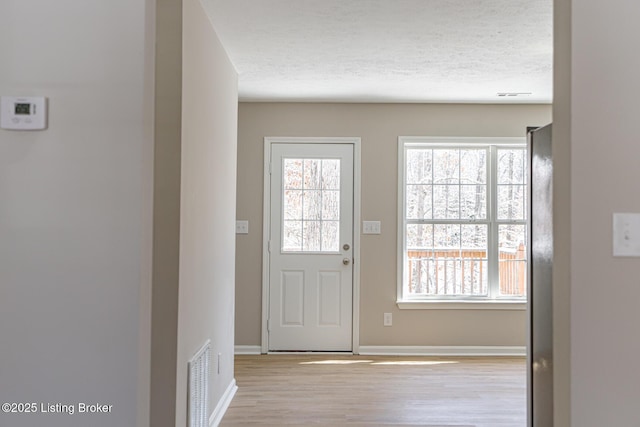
379, 126
599, 117
166, 211
75, 211
84, 231
207, 204
561, 152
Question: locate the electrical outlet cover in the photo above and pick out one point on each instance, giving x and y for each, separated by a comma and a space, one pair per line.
626, 235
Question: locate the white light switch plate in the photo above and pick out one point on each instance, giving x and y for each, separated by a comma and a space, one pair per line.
242, 227
626, 235
370, 227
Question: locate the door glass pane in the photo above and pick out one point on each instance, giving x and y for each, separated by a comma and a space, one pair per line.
292, 236
330, 230
330, 205
311, 236
292, 204
331, 174
293, 176
311, 205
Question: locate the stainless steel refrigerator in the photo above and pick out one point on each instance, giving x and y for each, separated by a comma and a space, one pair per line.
539, 291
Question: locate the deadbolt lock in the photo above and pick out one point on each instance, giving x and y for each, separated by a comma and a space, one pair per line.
346, 247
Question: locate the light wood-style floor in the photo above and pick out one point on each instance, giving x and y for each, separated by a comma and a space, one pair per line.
344, 390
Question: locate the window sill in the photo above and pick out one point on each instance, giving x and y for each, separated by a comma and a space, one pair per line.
462, 305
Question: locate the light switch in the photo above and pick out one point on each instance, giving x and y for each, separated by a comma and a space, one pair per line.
626, 235
370, 227
242, 227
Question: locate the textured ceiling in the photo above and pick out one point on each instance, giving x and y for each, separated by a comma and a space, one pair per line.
388, 50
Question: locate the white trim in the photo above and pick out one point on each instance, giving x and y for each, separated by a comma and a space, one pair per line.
247, 349
372, 350
266, 236
355, 346
266, 221
462, 305
401, 238
465, 140
223, 404
311, 353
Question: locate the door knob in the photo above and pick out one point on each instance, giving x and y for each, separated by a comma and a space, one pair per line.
346, 261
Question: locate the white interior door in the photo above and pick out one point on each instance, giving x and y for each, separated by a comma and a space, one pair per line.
311, 247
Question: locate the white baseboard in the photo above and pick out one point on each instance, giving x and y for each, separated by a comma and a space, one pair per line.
223, 404
372, 350
388, 350
248, 349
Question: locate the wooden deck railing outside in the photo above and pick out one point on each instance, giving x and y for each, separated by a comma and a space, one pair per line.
464, 272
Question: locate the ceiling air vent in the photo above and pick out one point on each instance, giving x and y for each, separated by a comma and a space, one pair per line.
513, 94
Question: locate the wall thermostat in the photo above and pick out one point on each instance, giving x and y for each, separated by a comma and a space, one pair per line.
23, 112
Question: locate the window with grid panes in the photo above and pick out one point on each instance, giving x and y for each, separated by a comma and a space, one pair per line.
463, 228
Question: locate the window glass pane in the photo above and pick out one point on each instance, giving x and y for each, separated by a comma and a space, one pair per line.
474, 262
446, 236
419, 201
511, 166
311, 205
446, 258
512, 259
446, 202
419, 166
455, 264
446, 166
511, 202
473, 201
420, 261
419, 236
474, 237
473, 166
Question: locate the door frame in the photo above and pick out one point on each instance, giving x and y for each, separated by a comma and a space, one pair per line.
266, 230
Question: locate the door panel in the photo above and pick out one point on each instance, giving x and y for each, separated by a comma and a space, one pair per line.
311, 239
329, 298
540, 361
292, 283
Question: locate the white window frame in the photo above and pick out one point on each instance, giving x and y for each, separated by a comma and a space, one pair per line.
493, 301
